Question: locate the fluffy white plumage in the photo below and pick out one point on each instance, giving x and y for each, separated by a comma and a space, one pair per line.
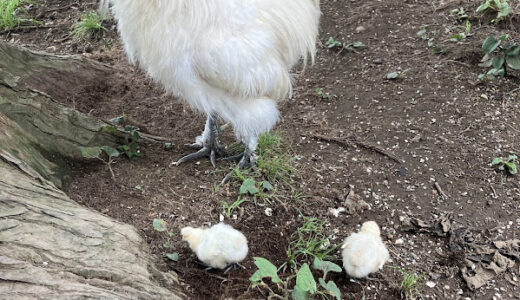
217, 246
226, 58
364, 252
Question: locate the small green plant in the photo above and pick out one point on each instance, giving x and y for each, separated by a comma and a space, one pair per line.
305, 285
160, 225
499, 7
425, 35
459, 13
332, 43
506, 164
409, 283
309, 242
90, 26
249, 187
131, 148
97, 152
499, 57
325, 95
274, 163
462, 35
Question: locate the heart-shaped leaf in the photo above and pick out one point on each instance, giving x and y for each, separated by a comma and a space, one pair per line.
110, 151
90, 152
305, 280
159, 224
325, 266
490, 44
249, 187
299, 294
331, 288
265, 269
173, 256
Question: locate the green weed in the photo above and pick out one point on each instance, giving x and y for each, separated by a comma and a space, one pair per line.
305, 285
500, 8
309, 242
90, 26
499, 57
160, 225
11, 12
506, 164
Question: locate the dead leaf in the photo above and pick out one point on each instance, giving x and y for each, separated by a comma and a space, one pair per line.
479, 279
484, 273
354, 203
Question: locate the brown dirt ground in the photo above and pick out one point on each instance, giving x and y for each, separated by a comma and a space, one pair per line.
444, 124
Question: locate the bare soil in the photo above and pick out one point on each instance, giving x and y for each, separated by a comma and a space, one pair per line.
420, 147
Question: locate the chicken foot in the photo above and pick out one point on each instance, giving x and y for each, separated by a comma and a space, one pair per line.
207, 144
246, 159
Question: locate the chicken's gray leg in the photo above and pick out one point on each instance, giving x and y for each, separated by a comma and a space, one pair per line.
245, 160
207, 144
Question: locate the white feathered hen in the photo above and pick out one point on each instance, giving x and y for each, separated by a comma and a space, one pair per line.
229, 59
218, 246
364, 252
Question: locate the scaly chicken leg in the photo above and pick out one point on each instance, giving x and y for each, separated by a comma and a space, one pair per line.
207, 144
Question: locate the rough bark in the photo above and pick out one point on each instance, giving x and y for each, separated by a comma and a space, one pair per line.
50, 246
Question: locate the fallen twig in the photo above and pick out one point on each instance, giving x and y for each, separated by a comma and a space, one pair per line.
354, 140
439, 190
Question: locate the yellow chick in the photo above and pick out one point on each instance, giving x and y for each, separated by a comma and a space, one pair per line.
364, 252
218, 246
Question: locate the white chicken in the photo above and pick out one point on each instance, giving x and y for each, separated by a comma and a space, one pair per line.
230, 59
218, 246
364, 252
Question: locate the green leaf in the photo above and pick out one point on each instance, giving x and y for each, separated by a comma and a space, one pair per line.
512, 157
514, 50
249, 186
265, 269
109, 129
503, 37
305, 280
325, 266
159, 225
422, 33
457, 37
118, 120
490, 44
173, 256
392, 75
166, 245
503, 11
299, 294
511, 168
497, 62
110, 151
358, 45
483, 6
496, 161
168, 146
130, 128
331, 288
90, 152
136, 136
513, 62
267, 186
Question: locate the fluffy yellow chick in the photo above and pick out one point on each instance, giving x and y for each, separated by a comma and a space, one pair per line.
218, 246
364, 252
